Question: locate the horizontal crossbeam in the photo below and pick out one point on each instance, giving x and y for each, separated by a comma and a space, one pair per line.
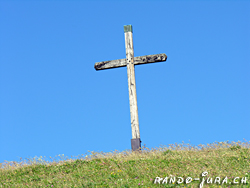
137, 61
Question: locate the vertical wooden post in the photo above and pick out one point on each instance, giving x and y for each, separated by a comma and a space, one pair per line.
135, 141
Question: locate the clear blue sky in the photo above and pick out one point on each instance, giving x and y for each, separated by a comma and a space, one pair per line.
53, 101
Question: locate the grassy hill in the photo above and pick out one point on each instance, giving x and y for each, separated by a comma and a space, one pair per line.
222, 160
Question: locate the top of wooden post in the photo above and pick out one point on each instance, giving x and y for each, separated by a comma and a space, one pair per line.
128, 28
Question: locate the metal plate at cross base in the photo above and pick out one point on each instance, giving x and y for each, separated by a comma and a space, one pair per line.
136, 144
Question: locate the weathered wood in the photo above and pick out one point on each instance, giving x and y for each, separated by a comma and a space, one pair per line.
137, 61
131, 83
130, 62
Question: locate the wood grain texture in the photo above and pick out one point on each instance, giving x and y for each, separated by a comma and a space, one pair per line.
137, 61
130, 62
132, 85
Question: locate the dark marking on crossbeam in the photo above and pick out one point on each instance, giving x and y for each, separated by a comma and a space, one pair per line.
137, 61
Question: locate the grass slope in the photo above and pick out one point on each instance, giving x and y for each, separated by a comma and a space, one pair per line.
136, 169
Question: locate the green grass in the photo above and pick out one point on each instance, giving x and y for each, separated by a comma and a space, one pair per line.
134, 169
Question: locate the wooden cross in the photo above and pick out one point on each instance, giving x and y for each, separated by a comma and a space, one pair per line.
130, 61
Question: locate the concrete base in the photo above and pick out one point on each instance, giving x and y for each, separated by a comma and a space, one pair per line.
136, 144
